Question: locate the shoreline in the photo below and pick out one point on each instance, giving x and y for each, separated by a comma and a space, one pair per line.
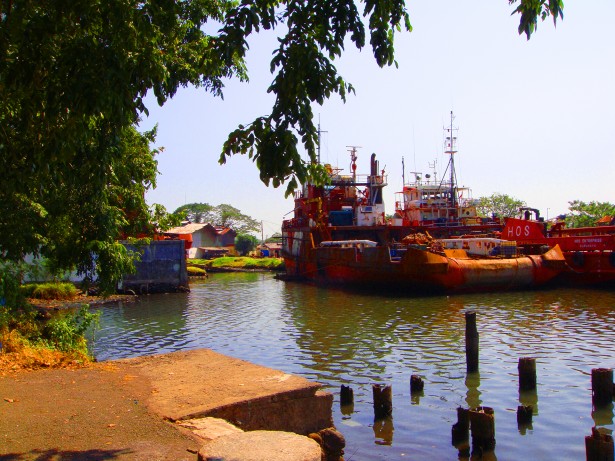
80, 300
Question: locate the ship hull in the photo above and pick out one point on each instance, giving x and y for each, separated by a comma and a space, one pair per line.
418, 270
589, 268
589, 251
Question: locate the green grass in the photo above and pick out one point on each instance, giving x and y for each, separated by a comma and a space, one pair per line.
196, 271
51, 290
240, 262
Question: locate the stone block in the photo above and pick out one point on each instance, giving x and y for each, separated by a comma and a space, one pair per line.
261, 446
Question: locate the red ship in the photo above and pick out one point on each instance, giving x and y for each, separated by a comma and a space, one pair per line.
340, 234
589, 251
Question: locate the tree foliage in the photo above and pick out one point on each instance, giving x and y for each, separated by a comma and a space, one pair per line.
228, 216
244, 243
500, 205
196, 212
72, 83
220, 215
584, 214
74, 76
275, 238
531, 10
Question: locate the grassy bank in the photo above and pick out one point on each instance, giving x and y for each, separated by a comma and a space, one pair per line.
34, 337
238, 263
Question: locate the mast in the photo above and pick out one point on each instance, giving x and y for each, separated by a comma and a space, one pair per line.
319, 133
451, 142
353, 161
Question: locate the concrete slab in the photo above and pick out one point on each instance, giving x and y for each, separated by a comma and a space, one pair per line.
200, 383
209, 428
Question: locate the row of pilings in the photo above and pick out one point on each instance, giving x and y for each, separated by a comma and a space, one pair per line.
478, 424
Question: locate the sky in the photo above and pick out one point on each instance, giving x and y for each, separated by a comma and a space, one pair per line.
535, 119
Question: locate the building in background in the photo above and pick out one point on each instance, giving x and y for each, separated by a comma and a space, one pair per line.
204, 241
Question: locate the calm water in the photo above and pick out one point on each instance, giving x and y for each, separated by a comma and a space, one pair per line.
338, 337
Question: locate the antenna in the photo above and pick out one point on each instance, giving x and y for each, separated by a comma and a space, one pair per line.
414, 146
319, 133
353, 161
433, 167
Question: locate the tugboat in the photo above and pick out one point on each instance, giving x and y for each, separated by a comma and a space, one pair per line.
340, 234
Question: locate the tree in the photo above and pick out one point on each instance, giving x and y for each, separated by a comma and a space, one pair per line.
501, 205
275, 238
72, 83
586, 214
221, 215
196, 212
244, 243
75, 215
228, 216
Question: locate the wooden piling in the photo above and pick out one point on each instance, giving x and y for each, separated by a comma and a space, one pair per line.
598, 446
383, 400
471, 342
524, 414
602, 386
332, 443
482, 428
346, 395
416, 384
527, 373
461, 429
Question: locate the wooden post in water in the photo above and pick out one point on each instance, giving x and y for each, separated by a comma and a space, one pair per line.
383, 400
524, 414
471, 342
602, 386
527, 374
416, 384
482, 427
461, 429
598, 446
346, 395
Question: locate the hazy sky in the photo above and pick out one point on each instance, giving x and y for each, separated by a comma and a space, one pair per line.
536, 118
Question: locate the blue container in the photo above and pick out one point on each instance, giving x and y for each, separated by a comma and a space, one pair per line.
340, 218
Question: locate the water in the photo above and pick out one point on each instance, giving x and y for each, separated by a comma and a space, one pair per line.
340, 337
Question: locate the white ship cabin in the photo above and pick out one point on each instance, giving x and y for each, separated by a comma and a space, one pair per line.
356, 199
432, 203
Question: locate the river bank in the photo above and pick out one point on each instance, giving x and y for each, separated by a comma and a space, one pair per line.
237, 264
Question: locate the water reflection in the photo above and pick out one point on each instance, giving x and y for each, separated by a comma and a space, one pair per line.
603, 416
383, 431
415, 397
529, 398
340, 337
473, 394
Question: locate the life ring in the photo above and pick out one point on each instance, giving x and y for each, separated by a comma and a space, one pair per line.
578, 258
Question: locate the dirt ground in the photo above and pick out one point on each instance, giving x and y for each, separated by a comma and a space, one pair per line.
92, 413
